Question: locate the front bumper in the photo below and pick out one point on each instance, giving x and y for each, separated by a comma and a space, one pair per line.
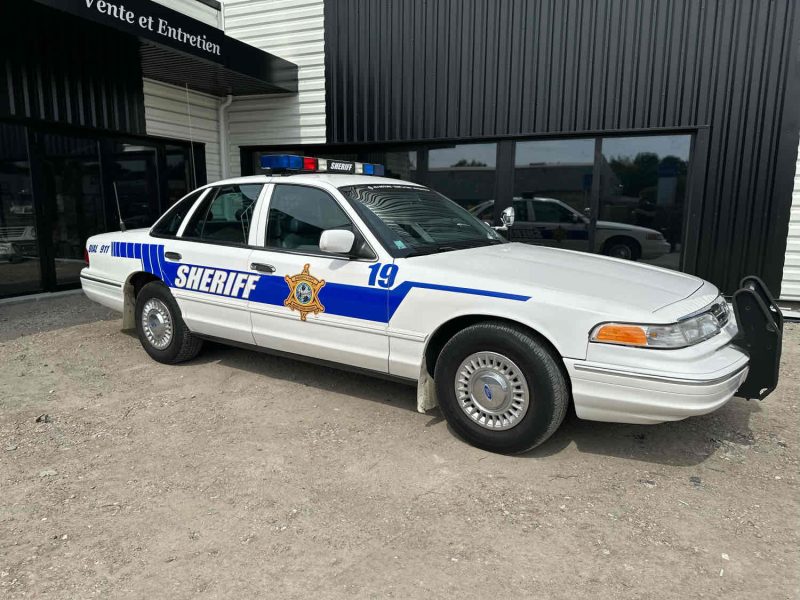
602, 393
628, 385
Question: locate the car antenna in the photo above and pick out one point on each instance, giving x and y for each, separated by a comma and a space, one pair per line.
119, 212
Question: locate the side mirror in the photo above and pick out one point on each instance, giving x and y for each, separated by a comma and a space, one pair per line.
337, 241
506, 218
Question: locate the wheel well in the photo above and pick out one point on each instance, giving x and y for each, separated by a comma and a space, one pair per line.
632, 242
447, 330
131, 289
139, 280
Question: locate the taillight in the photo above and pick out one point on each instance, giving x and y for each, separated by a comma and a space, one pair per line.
86, 256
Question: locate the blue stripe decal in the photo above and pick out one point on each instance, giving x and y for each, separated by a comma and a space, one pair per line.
369, 303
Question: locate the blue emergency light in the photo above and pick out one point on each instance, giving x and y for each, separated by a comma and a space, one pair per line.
279, 163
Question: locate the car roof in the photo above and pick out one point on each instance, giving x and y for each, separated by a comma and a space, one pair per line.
334, 179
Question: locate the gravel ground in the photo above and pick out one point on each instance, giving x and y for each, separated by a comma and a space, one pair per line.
240, 475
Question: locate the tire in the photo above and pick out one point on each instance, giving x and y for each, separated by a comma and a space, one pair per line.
181, 345
548, 393
622, 248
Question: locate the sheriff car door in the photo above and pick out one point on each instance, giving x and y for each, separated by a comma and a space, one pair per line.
324, 306
207, 265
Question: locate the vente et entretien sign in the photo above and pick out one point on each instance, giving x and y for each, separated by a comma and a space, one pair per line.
156, 25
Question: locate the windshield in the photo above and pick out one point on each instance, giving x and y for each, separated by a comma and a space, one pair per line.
412, 220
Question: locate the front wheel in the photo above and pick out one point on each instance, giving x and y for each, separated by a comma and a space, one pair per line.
500, 387
162, 332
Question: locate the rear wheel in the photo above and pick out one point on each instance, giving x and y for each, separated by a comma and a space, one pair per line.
500, 387
162, 332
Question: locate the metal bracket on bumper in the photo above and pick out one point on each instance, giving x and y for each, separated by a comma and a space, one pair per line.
760, 334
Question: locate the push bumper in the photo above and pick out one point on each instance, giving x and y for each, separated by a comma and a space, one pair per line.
760, 336
746, 366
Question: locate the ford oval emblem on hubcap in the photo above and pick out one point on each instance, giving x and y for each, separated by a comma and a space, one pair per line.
487, 391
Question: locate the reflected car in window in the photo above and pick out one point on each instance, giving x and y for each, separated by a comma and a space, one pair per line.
552, 222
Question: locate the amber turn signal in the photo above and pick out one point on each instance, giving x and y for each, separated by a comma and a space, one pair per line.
631, 335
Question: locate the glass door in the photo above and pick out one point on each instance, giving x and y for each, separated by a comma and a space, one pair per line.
133, 167
73, 201
20, 271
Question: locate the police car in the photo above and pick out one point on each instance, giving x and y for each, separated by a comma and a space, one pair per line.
329, 261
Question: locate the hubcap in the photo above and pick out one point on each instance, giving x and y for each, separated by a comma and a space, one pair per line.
621, 251
492, 390
157, 323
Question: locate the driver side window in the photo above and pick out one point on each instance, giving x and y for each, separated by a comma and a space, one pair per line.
550, 212
298, 215
225, 215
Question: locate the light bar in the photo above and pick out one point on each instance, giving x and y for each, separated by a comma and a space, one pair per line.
278, 163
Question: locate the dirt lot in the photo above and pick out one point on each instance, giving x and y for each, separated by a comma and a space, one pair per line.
241, 475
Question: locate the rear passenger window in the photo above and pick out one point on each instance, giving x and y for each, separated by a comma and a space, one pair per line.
226, 214
298, 215
171, 222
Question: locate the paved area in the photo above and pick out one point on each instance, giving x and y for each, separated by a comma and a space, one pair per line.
239, 475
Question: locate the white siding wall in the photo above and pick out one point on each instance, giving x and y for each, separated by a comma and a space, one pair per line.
167, 114
293, 30
196, 10
790, 288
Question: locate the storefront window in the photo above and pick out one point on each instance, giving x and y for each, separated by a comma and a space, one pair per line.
642, 198
20, 270
400, 164
552, 193
73, 201
465, 173
133, 169
179, 174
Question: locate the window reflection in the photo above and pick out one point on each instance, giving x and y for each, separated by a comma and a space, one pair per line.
19, 248
464, 173
74, 200
641, 200
552, 193
179, 173
399, 165
133, 168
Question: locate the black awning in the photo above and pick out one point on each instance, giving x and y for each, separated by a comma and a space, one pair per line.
184, 51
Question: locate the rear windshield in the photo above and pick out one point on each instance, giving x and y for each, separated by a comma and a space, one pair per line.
412, 220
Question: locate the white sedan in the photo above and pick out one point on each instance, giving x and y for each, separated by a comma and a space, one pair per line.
552, 222
391, 278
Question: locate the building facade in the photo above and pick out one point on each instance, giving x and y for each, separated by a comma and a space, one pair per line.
664, 132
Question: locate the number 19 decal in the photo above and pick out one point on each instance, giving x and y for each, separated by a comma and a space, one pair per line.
382, 275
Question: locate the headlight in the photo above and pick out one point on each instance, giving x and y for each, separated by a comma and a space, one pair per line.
685, 332
655, 236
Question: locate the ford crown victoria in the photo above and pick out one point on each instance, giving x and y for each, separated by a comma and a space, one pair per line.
325, 261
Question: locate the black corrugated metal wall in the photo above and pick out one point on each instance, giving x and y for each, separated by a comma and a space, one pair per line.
61, 69
403, 70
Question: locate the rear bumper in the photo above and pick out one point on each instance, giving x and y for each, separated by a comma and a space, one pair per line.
604, 393
103, 291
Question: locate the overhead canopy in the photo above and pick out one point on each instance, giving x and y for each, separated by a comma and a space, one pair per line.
180, 50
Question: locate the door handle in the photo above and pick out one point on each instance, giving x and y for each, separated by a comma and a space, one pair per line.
172, 255
262, 268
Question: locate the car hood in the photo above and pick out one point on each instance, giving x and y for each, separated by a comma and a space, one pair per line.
586, 279
623, 226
